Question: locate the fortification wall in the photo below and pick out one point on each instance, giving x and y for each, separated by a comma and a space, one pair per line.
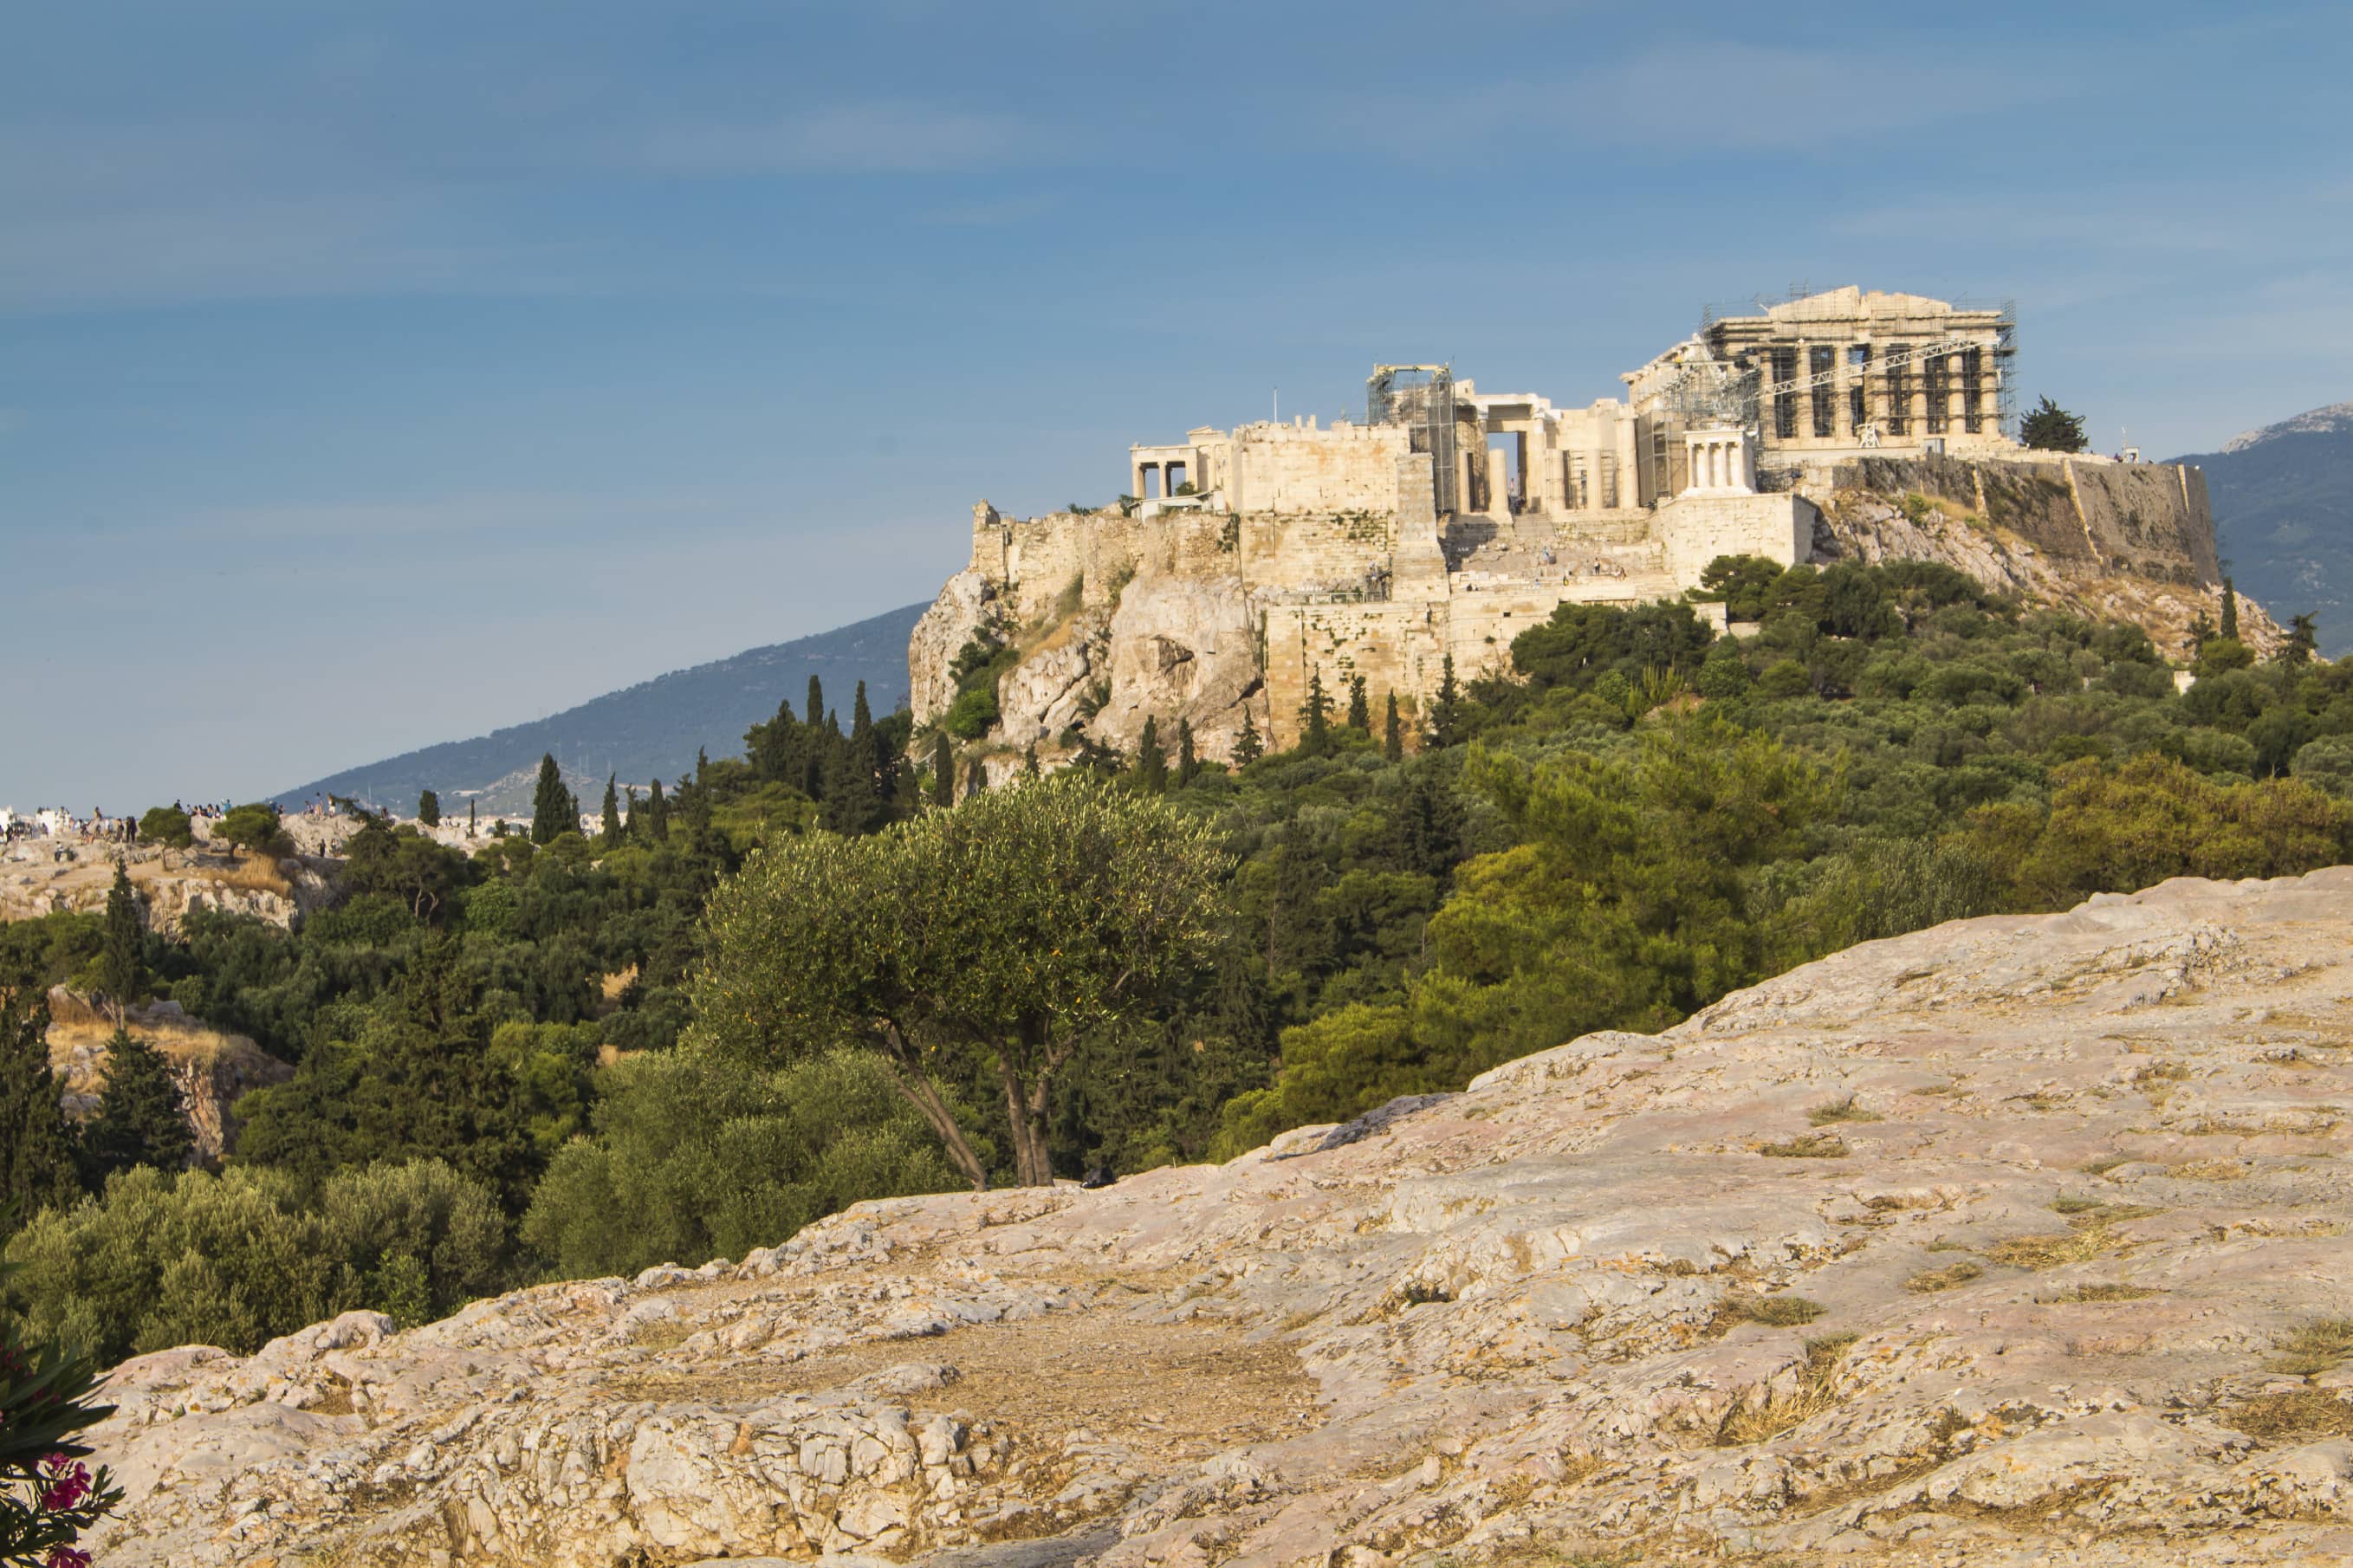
1297, 467
1694, 530
1036, 560
1314, 551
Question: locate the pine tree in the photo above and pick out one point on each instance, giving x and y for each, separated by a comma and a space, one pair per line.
37, 1147
142, 1117
118, 964
2052, 428
2303, 641
1360, 713
816, 711
2229, 609
1188, 766
612, 835
552, 808
429, 809
1392, 737
1151, 762
1248, 747
1315, 716
1445, 713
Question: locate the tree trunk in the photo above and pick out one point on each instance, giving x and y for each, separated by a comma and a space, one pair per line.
1025, 1109
918, 1093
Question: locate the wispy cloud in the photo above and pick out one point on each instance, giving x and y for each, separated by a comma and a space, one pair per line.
875, 138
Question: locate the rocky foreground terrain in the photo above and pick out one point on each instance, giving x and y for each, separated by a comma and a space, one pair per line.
2019, 1241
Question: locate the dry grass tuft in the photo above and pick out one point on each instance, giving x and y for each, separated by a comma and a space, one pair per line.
1807, 1146
2091, 1233
2106, 1292
2105, 1164
1817, 1391
2299, 1416
2077, 1203
1944, 1278
2317, 1347
1841, 1110
2208, 1171
1773, 1311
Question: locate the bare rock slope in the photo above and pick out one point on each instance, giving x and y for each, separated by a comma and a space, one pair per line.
2017, 1240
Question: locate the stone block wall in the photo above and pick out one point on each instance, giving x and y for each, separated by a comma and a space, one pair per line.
1695, 530
1301, 468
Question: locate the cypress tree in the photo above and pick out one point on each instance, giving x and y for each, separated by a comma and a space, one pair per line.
2229, 609
656, 814
1029, 760
552, 808
816, 701
942, 769
1248, 747
1445, 714
1151, 762
141, 1118
1392, 737
119, 965
612, 835
37, 1147
629, 811
1360, 713
1315, 716
975, 778
1188, 766
470, 819
429, 809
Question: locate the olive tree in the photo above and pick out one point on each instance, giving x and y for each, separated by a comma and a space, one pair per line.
993, 941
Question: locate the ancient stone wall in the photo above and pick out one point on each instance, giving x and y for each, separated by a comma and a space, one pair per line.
1300, 467
1695, 530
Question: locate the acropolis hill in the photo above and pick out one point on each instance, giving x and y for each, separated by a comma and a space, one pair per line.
1838, 425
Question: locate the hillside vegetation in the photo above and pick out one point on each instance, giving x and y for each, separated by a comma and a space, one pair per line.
549, 1059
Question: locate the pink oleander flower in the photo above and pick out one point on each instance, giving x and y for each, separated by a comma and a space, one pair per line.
68, 1483
67, 1557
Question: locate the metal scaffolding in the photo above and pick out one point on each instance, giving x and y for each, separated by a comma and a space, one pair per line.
1420, 396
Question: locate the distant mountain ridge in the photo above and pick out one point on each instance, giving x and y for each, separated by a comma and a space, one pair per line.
648, 731
2282, 500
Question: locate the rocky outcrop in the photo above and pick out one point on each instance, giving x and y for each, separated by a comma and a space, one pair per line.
43, 876
961, 613
2018, 1240
212, 1068
1182, 649
2112, 541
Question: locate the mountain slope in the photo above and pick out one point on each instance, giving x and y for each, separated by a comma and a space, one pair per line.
2283, 501
648, 731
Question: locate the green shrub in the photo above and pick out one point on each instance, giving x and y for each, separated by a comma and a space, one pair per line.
235, 1259
697, 1155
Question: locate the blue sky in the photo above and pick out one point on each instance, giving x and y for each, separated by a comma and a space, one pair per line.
373, 375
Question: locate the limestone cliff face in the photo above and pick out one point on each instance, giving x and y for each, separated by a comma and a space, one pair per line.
2011, 1242
1203, 617
2113, 541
